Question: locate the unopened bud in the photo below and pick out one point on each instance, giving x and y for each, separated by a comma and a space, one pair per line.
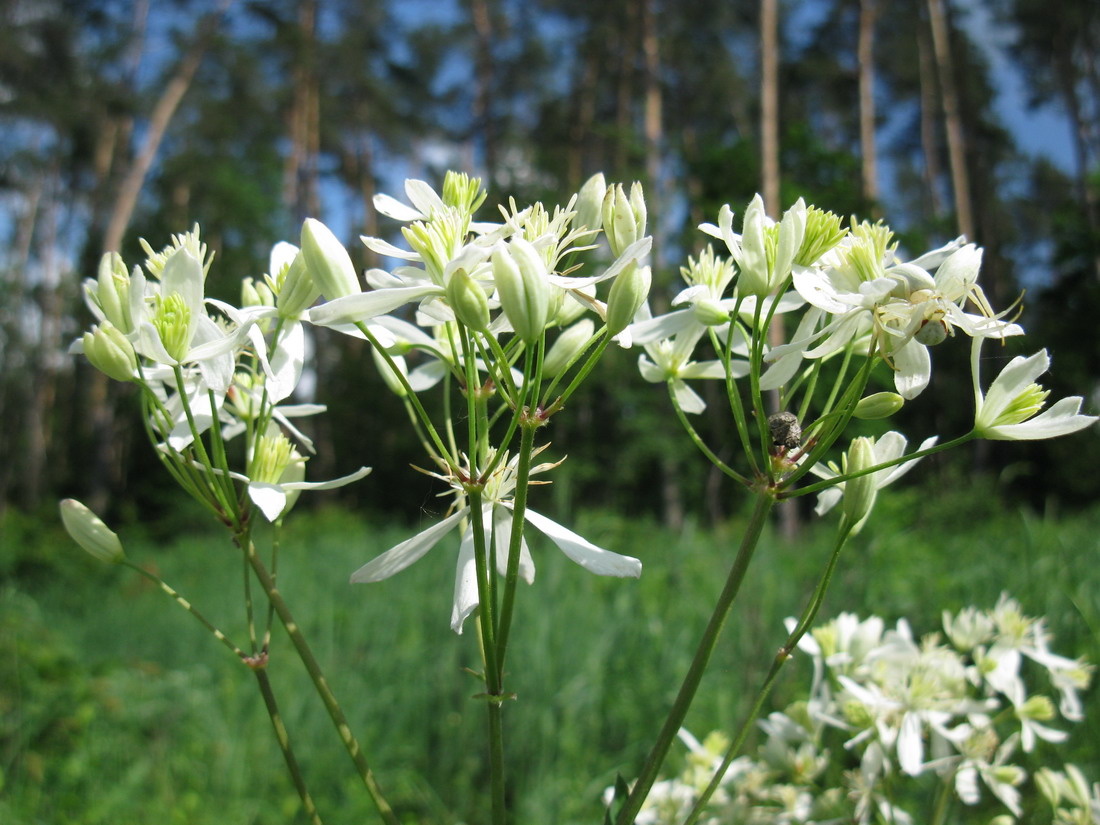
567, 346
256, 294
522, 287
112, 291
624, 219
879, 405
590, 203
327, 261
468, 301
297, 289
110, 352
627, 295
859, 492
89, 531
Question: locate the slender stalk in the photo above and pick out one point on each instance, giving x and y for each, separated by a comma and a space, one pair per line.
698, 441
817, 486
809, 613
284, 745
943, 799
519, 507
316, 675
680, 706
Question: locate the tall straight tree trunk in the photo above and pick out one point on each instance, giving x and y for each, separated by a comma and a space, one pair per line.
1083, 155
624, 92
300, 187
867, 147
769, 104
580, 133
654, 128
159, 119
956, 142
929, 145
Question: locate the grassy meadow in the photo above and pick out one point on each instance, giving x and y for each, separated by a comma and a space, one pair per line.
116, 707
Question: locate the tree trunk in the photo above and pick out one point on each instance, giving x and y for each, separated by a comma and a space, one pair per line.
654, 130
769, 104
956, 143
159, 119
929, 145
868, 149
300, 190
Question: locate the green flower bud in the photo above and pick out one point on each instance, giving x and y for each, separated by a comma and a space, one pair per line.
878, 405
89, 531
297, 289
568, 344
590, 203
624, 220
524, 292
112, 291
468, 300
710, 313
859, 493
627, 295
172, 321
387, 373
327, 261
256, 294
110, 352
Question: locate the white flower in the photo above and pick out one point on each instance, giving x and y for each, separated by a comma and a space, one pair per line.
887, 447
669, 361
1009, 410
496, 521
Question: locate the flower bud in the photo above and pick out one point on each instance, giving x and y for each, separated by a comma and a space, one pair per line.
256, 294
327, 261
590, 203
710, 313
387, 372
522, 287
112, 291
297, 289
89, 531
627, 295
860, 492
468, 300
110, 352
567, 346
879, 405
624, 220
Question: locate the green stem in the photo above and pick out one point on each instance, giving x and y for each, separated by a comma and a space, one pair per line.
698, 441
675, 720
515, 543
316, 675
284, 745
186, 605
943, 800
809, 613
817, 486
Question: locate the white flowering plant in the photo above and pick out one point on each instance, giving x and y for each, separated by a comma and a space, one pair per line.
505, 320
898, 729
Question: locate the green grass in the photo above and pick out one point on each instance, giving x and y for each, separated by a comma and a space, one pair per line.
116, 707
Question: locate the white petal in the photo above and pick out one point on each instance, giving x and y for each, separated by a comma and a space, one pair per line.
910, 744
423, 197
327, 485
465, 598
270, 498
1018, 375
686, 398
364, 305
502, 524
392, 208
287, 363
387, 249
661, 327
400, 556
912, 369
587, 555
635, 252
1061, 419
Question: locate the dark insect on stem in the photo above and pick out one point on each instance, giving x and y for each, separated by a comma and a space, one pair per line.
785, 430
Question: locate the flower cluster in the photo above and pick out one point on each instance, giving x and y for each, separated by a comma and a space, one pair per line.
885, 709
